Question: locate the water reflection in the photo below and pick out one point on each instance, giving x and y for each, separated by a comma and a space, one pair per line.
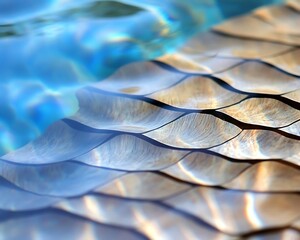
51, 48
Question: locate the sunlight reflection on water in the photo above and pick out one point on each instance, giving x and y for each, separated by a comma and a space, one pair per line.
51, 48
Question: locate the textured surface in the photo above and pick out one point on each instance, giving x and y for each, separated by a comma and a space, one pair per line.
201, 144
266, 112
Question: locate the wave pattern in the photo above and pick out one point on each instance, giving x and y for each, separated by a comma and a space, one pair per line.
202, 143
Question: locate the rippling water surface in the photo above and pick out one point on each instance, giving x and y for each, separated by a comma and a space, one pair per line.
49, 49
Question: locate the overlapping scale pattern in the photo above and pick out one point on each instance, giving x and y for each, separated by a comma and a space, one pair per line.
197, 93
201, 144
288, 61
255, 28
236, 212
266, 112
260, 78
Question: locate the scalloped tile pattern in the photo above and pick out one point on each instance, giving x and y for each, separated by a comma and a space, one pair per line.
143, 185
130, 153
195, 131
289, 61
201, 144
215, 44
102, 112
254, 28
261, 78
265, 112
198, 64
259, 145
140, 215
216, 207
277, 176
59, 179
46, 225
59, 143
197, 93
133, 79
206, 169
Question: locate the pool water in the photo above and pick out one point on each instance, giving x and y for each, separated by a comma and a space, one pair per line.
50, 49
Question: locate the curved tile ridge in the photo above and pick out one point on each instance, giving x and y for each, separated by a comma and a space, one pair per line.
215, 44
198, 93
198, 63
52, 224
261, 144
134, 79
257, 77
294, 96
295, 4
284, 19
267, 177
195, 131
205, 169
64, 179
143, 185
153, 220
285, 234
251, 27
292, 129
15, 199
59, 143
263, 111
102, 112
130, 153
289, 61
235, 212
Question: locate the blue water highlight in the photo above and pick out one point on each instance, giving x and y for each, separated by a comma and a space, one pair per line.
50, 49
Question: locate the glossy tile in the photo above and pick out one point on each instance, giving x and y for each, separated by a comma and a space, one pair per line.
134, 79
205, 169
198, 93
59, 143
130, 153
267, 176
65, 179
256, 77
263, 111
237, 212
51, 224
143, 185
14, 199
284, 19
261, 144
102, 112
198, 63
124, 168
292, 129
195, 131
294, 96
289, 61
153, 220
220, 45
252, 27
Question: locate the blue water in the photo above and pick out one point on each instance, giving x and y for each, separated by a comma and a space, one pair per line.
49, 49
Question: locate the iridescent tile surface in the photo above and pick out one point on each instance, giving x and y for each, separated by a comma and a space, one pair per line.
201, 143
